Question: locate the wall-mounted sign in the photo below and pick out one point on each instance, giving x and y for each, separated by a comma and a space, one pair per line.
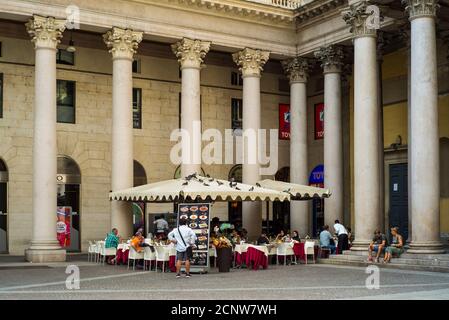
316, 177
319, 121
284, 121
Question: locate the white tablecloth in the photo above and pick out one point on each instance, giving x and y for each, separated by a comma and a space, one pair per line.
262, 248
241, 248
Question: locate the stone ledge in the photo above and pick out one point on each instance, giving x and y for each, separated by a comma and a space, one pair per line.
42, 256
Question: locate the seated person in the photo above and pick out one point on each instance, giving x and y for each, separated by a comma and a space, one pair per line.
244, 235
138, 243
263, 239
397, 247
378, 245
280, 236
295, 236
112, 241
287, 238
326, 240
235, 237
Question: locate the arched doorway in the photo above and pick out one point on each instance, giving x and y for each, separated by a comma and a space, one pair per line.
235, 207
3, 207
281, 209
139, 208
68, 224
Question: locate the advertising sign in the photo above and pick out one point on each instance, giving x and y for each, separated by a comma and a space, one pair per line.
319, 121
284, 121
63, 218
198, 219
316, 178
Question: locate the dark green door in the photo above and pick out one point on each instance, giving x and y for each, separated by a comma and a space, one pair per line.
399, 198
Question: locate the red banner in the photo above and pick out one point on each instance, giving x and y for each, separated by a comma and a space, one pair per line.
284, 121
319, 121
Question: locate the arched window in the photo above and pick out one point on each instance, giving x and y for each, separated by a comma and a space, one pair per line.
236, 173
140, 177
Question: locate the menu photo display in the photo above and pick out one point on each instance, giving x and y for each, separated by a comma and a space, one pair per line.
198, 218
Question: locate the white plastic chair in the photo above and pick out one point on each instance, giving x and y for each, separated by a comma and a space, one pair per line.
98, 245
309, 249
91, 251
148, 255
284, 250
104, 252
162, 255
134, 255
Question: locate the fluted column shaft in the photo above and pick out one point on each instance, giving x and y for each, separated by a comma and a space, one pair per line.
46, 34
297, 71
251, 62
425, 166
122, 45
366, 127
190, 54
331, 58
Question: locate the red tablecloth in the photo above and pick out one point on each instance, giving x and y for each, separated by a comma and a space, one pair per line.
256, 258
298, 249
240, 258
122, 256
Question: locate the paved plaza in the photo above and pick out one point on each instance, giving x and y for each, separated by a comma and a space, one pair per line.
277, 282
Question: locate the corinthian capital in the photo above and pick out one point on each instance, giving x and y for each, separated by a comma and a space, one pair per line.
45, 32
296, 69
190, 53
251, 61
421, 8
122, 43
331, 58
363, 19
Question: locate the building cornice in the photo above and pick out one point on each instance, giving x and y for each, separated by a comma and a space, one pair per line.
316, 9
236, 9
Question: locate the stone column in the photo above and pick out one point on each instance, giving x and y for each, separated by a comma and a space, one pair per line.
46, 34
122, 44
425, 167
251, 62
366, 126
190, 54
380, 50
331, 61
297, 71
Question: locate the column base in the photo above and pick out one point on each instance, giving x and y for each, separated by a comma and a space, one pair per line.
430, 247
45, 251
360, 245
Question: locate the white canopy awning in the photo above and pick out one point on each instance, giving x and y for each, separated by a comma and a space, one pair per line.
198, 188
297, 191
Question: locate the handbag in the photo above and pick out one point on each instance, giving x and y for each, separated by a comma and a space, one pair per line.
188, 248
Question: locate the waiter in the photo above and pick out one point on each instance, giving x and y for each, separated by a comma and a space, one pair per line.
342, 235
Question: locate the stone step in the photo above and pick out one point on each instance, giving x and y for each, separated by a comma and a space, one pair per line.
392, 265
410, 259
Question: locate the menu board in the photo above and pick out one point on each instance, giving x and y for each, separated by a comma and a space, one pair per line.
198, 219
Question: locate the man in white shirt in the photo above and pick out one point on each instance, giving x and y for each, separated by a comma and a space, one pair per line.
184, 238
161, 227
342, 235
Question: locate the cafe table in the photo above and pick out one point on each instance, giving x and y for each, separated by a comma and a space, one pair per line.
240, 254
256, 256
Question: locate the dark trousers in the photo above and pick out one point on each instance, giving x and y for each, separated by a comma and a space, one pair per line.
342, 243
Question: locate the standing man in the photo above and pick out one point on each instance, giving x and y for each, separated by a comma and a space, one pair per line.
161, 227
184, 238
342, 235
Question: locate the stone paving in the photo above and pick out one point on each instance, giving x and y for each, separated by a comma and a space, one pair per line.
277, 282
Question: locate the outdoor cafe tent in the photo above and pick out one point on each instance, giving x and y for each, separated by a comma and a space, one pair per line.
198, 188
296, 191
